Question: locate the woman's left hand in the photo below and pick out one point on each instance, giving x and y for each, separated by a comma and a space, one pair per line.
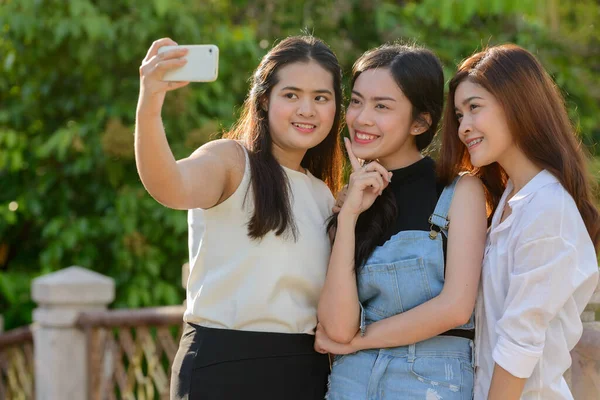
323, 344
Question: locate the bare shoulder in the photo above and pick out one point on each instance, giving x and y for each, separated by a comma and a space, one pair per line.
212, 173
469, 185
229, 152
469, 196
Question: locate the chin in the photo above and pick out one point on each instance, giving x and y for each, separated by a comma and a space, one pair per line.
364, 154
308, 142
477, 162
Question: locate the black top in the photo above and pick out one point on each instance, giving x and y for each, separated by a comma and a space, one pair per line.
417, 192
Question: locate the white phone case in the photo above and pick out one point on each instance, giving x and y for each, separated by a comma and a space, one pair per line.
202, 65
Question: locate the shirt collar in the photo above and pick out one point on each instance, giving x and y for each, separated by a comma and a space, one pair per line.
542, 179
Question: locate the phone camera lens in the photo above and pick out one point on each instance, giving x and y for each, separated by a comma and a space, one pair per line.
210, 50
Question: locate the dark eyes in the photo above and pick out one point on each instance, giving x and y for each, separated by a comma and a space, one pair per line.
378, 106
293, 96
472, 107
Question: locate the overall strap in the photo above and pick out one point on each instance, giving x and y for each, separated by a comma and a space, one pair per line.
439, 217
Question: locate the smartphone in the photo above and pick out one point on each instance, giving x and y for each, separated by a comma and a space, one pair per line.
202, 64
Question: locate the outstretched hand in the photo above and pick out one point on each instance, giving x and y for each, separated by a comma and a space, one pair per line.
367, 182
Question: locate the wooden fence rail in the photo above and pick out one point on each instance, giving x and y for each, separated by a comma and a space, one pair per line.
17, 364
130, 352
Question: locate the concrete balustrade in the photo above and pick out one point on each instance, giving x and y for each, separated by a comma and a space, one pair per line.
60, 347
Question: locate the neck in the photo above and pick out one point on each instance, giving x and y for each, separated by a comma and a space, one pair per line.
406, 156
519, 168
289, 159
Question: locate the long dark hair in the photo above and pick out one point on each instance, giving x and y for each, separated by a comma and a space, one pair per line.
537, 119
272, 208
419, 74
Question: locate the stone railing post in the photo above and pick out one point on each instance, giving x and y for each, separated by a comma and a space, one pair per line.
61, 369
584, 373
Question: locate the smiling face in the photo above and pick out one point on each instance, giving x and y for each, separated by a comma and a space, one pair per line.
380, 122
482, 125
301, 108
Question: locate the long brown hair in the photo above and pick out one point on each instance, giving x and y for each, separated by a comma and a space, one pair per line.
272, 208
537, 119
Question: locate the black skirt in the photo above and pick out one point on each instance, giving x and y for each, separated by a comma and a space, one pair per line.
229, 364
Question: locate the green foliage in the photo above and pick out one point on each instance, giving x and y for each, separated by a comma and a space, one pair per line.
69, 85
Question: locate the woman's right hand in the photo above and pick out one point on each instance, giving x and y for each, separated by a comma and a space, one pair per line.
367, 182
152, 70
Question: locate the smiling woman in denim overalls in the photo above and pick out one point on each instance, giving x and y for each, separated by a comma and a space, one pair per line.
397, 305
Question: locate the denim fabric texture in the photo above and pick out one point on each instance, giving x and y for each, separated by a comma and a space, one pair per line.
406, 271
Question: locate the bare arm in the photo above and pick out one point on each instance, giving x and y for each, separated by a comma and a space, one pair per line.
197, 181
338, 310
455, 304
505, 386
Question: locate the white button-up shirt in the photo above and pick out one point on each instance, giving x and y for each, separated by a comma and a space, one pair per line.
539, 272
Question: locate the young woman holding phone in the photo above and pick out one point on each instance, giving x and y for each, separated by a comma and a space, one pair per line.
258, 203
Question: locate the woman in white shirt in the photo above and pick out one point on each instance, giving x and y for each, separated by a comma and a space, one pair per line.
506, 120
257, 212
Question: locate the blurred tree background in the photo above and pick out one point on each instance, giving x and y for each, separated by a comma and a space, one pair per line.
69, 190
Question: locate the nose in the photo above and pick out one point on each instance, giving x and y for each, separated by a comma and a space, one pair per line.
464, 128
306, 108
364, 117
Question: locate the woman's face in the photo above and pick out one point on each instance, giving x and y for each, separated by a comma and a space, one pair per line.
483, 126
379, 119
301, 107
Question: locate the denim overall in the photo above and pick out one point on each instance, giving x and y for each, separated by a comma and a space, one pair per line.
406, 271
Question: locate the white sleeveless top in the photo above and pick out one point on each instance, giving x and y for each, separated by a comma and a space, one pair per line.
271, 285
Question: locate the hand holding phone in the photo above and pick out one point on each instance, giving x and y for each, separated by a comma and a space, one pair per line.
152, 87
202, 64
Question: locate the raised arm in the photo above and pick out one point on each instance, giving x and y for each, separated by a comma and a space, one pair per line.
200, 180
338, 310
